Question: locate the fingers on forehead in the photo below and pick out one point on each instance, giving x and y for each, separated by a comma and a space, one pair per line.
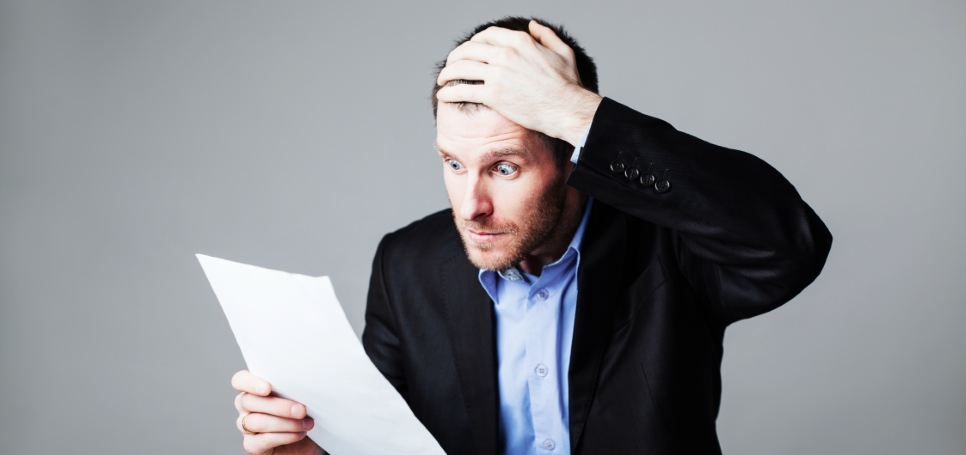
463, 94
471, 50
502, 37
464, 69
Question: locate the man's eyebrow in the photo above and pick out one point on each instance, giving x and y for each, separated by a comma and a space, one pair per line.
493, 155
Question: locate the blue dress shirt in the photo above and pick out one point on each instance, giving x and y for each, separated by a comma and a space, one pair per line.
534, 330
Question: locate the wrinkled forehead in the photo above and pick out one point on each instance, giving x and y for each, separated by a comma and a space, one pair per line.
474, 121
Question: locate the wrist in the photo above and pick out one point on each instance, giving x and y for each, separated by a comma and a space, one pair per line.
581, 115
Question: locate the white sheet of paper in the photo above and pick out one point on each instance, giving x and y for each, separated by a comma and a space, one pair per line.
293, 332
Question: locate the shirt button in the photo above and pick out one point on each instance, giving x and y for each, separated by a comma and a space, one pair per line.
541, 371
549, 444
543, 294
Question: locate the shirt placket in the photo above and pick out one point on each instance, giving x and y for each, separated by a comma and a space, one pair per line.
542, 378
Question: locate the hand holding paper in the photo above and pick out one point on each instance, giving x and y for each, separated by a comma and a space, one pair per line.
271, 425
293, 333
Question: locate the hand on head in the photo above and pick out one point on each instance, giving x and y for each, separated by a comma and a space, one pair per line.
531, 79
270, 425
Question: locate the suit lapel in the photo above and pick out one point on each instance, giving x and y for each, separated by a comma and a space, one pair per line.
469, 318
598, 282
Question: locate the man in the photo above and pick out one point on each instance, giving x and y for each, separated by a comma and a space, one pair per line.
577, 306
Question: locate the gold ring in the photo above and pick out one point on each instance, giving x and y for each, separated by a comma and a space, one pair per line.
246, 428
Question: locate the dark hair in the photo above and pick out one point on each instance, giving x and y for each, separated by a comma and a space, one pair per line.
586, 70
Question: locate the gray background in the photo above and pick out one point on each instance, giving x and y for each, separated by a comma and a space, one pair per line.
293, 135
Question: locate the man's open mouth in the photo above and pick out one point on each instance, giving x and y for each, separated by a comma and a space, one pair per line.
482, 236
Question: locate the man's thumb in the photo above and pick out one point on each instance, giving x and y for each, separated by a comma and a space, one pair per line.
546, 37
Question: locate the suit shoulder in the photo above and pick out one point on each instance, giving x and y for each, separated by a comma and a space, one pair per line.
427, 238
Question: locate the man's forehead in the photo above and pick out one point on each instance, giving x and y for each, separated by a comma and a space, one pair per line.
454, 122
484, 135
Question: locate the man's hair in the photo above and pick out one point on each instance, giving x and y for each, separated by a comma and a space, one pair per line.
586, 71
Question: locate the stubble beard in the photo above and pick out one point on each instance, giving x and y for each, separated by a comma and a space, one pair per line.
537, 227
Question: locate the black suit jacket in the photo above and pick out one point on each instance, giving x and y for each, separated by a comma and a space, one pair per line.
662, 273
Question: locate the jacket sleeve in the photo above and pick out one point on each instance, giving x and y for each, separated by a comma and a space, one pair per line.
379, 338
742, 235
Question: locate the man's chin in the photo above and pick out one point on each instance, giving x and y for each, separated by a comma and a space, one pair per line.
489, 258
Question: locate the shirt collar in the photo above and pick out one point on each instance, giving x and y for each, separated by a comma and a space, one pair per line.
579, 234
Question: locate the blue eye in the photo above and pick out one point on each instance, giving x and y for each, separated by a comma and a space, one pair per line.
505, 168
454, 165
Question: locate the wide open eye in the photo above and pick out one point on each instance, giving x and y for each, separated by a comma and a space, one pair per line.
454, 165
505, 168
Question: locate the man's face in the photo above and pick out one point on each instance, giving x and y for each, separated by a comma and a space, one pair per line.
505, 189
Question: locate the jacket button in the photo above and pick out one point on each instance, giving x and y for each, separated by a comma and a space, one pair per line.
663, 186
632, 173
617, 166
647, 179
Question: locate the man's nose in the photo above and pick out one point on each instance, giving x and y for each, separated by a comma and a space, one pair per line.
476, 201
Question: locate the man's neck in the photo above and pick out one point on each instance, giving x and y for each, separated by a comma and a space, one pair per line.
559, 239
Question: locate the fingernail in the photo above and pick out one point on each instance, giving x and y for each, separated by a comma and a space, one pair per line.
261, 389
296, 409
307, 423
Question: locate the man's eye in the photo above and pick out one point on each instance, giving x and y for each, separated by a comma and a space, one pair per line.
505, 168
454, 165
